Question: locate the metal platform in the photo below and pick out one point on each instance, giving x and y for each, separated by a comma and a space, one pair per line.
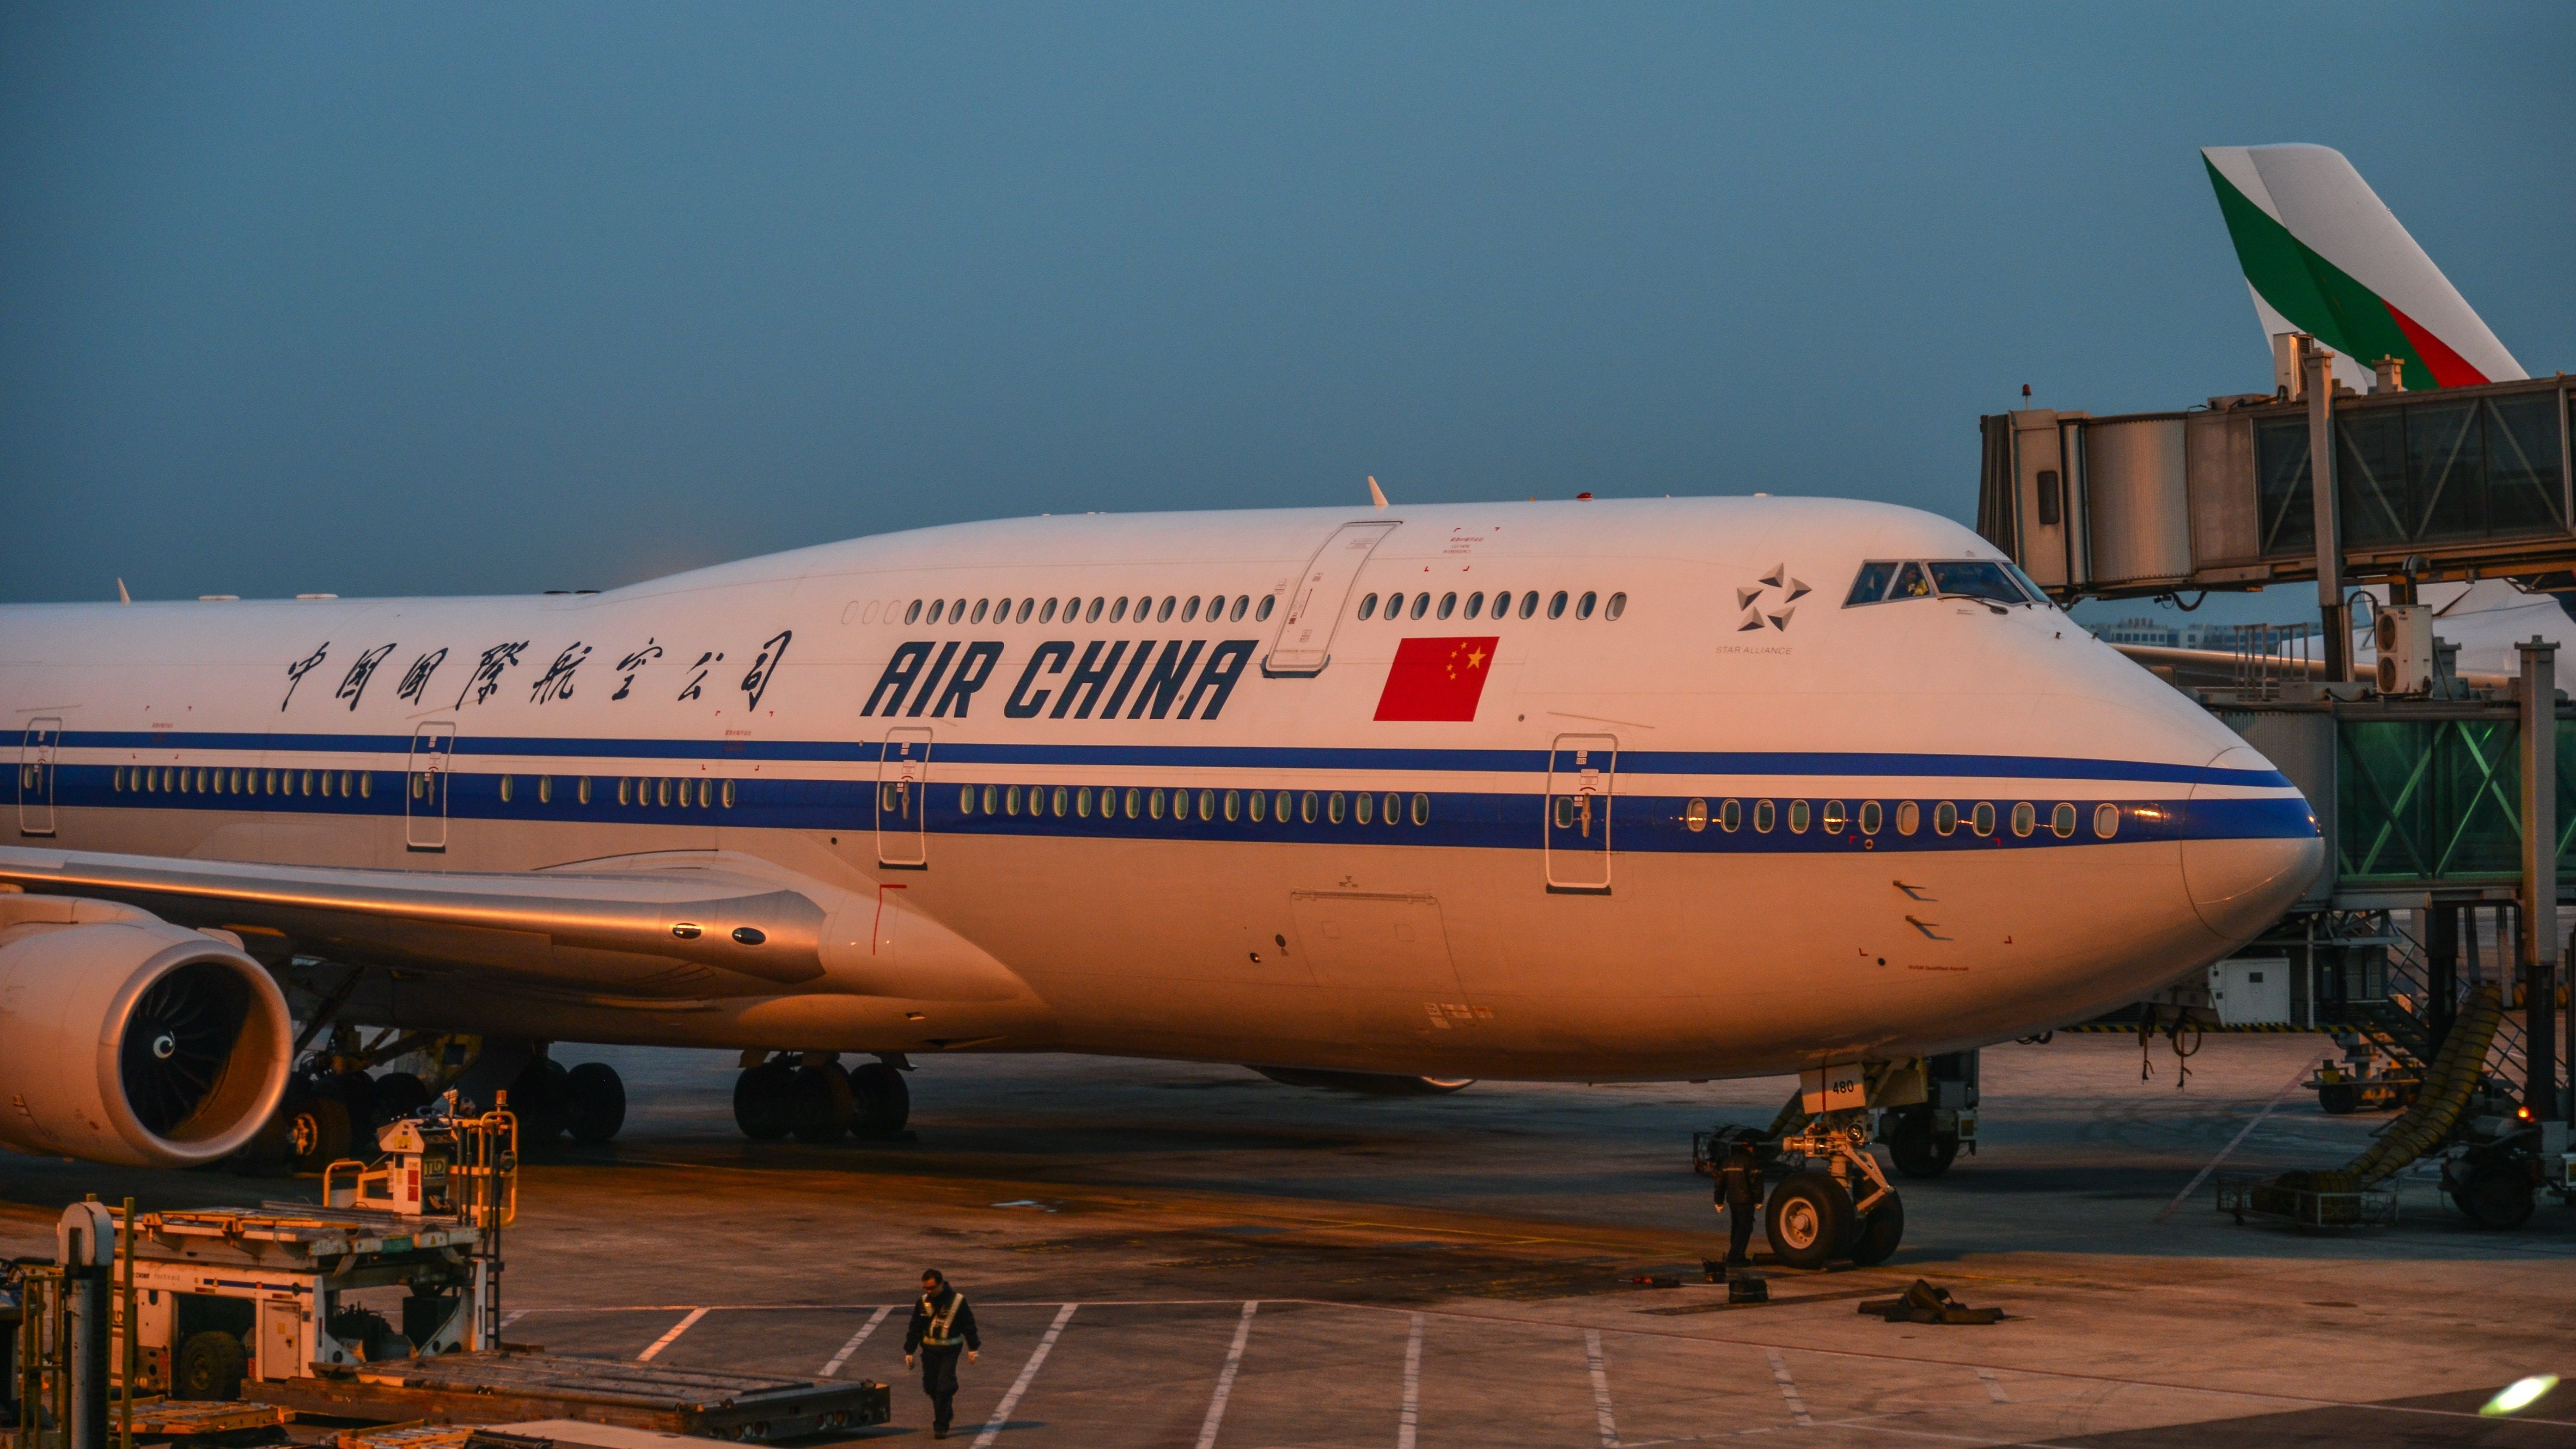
497, 1388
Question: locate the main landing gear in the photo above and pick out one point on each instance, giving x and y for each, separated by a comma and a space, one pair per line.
340, 1095
1834, 1202
809, 1096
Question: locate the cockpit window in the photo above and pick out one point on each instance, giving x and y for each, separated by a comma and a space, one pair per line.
2037, 594
1885, 580
1872, 584
1977, 581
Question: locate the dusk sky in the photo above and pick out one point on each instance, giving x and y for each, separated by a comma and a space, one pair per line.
377, 299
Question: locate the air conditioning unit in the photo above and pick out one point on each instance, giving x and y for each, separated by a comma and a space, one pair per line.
2403, 637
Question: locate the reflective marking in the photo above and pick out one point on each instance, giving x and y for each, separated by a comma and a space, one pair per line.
672, 1337
513, 1316
2202, 1176
1600, 1388
1994, 1386
1020, 1385
1407, 1426
856, 1339
1789, 1391
1225, 1380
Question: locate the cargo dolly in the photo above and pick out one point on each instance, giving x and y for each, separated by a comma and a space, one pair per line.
268, 1308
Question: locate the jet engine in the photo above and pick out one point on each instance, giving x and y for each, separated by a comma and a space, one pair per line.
126, 1039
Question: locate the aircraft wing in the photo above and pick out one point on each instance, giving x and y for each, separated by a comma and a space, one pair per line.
688, 926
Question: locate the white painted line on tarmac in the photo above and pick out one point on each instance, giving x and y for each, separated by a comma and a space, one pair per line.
1410, 1424
1225, 1380
1020, 1385
1994, 1386
1600, 1388
856, 1339
513, 1316
672, 1337
1789, 1390
2202, 1176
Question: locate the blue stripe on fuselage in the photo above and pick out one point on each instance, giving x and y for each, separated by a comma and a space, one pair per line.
1822, 764
1483, 819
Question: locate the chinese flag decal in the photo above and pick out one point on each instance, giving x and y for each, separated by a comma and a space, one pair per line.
1436, 679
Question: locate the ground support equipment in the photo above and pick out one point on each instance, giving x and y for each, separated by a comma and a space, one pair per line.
2309, 1201
2368, 1080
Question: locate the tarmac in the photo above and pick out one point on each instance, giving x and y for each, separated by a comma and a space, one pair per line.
1169, 1254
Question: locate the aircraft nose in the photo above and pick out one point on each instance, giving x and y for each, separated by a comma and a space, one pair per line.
2250, 845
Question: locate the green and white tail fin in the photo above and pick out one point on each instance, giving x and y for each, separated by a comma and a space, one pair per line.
2325, 256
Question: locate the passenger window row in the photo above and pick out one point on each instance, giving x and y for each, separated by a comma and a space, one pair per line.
1138, 802
1398, 603
227, 780
698, 794
1869, 817
1216, 607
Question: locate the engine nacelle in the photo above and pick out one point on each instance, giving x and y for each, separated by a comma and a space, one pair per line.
126, 1039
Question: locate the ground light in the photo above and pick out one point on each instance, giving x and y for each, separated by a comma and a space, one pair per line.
2521, 1394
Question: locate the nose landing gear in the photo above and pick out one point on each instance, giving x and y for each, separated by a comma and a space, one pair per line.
1835, 1202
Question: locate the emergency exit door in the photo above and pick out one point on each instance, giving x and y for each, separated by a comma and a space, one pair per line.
903, 799
433, 755
1580, 773
36, 754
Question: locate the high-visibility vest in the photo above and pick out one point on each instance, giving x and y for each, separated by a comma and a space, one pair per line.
936, 1336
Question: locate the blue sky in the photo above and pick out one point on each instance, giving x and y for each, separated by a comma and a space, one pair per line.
372, 299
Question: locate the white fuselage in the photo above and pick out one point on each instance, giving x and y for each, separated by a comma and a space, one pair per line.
1532, 892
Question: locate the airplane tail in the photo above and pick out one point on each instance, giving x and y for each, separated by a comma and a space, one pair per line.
2325, 256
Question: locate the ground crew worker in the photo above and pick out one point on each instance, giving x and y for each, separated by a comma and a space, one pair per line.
942, 1325
1739, 1192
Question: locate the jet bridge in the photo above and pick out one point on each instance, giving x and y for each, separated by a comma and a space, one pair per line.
2440, 798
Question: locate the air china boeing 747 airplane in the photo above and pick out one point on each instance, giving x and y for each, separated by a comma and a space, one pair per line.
1588, 790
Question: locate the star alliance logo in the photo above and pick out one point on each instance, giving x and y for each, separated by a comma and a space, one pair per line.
1769, 603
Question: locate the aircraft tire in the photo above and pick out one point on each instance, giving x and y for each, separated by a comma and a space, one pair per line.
598, 1103
884, 1100
2495, 1195
1919, 1151
400, 1094
212, 1365
820, 1104
318, 1132
1880, 1232
760, 1106
1807, 1218
542, 1100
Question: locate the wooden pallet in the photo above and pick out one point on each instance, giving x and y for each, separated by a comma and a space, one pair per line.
405, 1436
499, 1388
200, 1418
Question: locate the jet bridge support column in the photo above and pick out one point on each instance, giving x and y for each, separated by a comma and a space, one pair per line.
2319, 382
2539, 914
2441, 970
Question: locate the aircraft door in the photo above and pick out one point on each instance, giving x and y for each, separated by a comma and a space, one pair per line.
1581, 771
1305, 641
36, 754
433, 752
903, 799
